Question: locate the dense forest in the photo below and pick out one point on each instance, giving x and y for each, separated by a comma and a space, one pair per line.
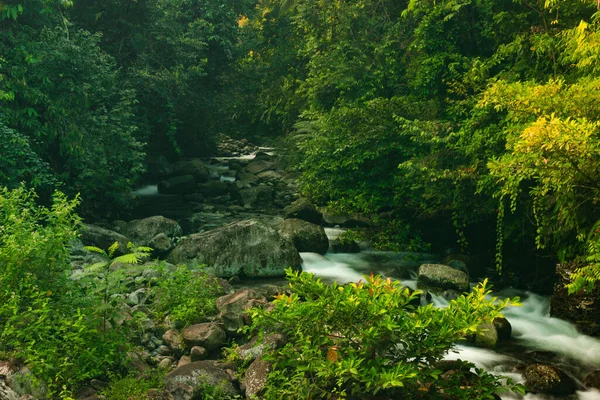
446, 126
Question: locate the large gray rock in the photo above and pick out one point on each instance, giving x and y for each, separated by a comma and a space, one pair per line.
307, 237
93, 235
193, 167
547, 379
208, 335
442, 277
247, 248
142, 231
305, 210
190, 381
255, 378
183, 184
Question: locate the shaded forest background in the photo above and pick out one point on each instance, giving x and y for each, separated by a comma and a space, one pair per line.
463, 124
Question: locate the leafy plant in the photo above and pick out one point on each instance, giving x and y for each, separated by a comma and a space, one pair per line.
368, 338
46, 319
186, 296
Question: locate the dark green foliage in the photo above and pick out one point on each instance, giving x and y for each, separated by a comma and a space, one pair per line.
65, 99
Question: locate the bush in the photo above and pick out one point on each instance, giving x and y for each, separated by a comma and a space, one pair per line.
46, 319
367, 338
186, 296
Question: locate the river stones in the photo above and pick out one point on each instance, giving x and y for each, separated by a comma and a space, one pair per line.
208, 335
194, 167
442, 277
547, 379
248, 248
190, 380
157, 232
306, 237
303, 209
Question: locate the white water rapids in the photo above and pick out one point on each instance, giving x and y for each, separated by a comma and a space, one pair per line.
534, 332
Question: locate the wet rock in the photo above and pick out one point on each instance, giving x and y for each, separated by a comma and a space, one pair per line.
303, 209
138, 297
247, 248
208, 335
93, 235
442, 277
503, 327
189, 381
582, 309
255, 377
258, 166
486, 335
194, 167
257, 197
181, 185
341, 245
547, 379
144, 231
307, 237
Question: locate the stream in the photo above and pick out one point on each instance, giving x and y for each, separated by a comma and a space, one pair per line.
536, 337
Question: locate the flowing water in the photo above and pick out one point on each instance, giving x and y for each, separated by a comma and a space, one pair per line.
536, 337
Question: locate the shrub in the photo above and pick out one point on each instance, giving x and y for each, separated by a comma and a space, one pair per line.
46, 319
187, 296
367, 338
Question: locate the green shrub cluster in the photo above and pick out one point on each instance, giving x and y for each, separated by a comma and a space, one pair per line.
368, 338
47, 321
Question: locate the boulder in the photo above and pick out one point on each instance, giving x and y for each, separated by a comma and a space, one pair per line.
547, 379
208, 335
198, 353
25, 384
255, 377
232, 307
307, 237
248, 248
303, 209
193, 167
255, 348
503, 327
341, 245
143, 231
191, 380
93, 235
173, 339
257, 197
258, 166
160, 244
442, 277
486, 335
582, 309
183, 184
